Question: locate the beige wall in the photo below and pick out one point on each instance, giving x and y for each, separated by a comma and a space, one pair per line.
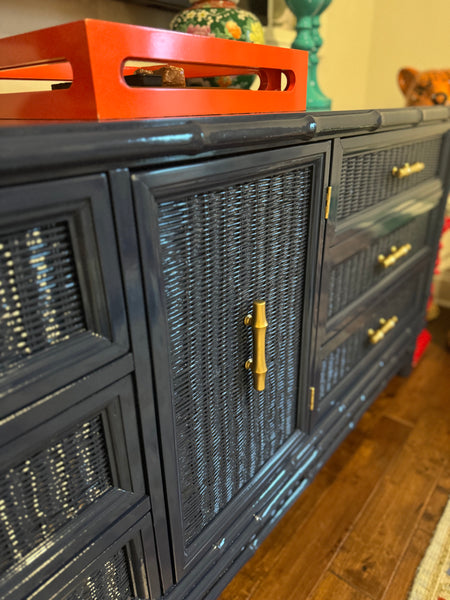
406, 33
343, 72
366, 42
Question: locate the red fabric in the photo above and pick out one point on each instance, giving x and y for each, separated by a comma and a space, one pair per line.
423, 339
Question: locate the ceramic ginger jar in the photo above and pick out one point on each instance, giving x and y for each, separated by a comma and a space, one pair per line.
221, 19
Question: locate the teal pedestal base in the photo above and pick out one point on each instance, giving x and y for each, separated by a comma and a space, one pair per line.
308, 38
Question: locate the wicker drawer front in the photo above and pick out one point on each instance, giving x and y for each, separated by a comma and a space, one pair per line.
41, 494
117, 572
66, 478
62, 309
361, 271
121, 571
110, 581
40, 291
367, 179
340, 361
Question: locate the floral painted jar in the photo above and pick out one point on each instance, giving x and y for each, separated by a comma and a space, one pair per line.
221, 19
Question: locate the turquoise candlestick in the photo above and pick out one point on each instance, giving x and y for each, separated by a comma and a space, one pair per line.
308, 38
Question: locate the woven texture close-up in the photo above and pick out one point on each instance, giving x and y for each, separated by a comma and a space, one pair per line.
357, 274
44, 492
343, 359
220, 252
111, 581
366, 178
39, 291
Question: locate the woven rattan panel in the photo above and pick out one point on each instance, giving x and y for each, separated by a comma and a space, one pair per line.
354, 276
111, 581
39, 291
366, 178
41, 494
346, 356
220, 252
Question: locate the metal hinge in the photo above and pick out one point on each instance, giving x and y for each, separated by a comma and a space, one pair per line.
312, 394
327, 205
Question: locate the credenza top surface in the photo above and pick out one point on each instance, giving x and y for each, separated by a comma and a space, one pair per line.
27, 147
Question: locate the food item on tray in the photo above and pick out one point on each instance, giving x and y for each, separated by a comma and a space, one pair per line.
165, 76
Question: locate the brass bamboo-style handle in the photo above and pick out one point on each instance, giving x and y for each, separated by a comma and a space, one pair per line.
257, 364
396, 253
378, 335
407, 169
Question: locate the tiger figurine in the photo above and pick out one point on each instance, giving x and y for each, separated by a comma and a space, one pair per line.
425, 88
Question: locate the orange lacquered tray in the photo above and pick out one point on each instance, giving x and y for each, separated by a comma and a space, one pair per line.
94, 56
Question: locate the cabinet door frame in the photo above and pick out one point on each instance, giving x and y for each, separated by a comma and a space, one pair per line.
121, 193
152, 187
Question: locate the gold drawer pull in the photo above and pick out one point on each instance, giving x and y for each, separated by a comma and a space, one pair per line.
396, 253
257, 364
378, 335
407, 169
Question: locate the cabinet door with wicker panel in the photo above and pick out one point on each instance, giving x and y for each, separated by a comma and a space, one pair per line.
219, 241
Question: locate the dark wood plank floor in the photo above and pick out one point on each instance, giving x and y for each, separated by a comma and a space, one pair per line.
361, 528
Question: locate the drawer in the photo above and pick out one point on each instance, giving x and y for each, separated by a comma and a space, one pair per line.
114, 575
374, 249
118, 572
348, 355
367, 174
63, 309
70, 478
356, 400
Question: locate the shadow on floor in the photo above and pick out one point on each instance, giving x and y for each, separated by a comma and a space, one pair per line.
440, 327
